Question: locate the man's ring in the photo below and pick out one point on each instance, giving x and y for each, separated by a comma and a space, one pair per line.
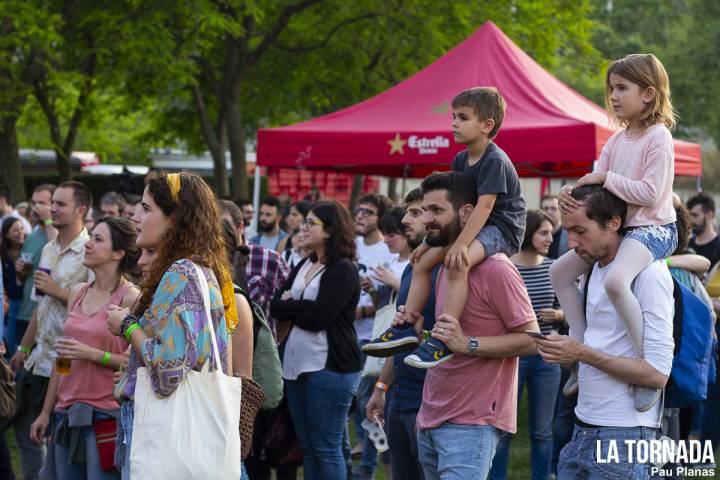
442, 331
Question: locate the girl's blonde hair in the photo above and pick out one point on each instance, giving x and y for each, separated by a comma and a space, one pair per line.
644, 70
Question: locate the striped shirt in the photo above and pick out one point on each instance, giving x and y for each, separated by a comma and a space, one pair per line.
540, 291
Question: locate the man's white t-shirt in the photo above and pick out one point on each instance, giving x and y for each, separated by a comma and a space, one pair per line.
370, 256
605, 400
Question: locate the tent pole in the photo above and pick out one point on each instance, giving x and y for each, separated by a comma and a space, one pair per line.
404, 178
698, 184
256, 197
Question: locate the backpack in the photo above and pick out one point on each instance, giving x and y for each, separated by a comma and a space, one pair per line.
266, 369
694, 356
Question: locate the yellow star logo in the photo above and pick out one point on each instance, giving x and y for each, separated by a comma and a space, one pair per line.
397, 144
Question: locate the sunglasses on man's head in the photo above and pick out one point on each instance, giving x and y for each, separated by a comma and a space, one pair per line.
365, 212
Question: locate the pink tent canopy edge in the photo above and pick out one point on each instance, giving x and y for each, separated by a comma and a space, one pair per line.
549, 129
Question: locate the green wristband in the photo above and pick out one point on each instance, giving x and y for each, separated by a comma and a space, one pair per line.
24, 349
48, 221
130, 330
106, 359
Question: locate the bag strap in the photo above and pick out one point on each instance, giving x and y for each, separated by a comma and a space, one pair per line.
205, 290
586, 286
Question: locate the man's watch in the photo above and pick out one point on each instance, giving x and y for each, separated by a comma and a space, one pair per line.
473, 344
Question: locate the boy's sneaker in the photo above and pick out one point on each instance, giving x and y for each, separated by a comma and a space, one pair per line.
571, 385
430, 354
645, 397
394, 340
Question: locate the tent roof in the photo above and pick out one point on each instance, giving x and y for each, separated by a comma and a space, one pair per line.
549, 129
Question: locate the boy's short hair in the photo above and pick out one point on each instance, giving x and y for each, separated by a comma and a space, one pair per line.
486, 102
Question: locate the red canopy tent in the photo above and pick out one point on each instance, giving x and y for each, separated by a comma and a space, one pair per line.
549, 130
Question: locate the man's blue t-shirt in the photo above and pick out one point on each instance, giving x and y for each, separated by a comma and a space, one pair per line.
408, 383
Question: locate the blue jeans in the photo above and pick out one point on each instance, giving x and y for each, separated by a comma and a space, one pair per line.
10, 333
402, 439
457, 452
369, 458
30, 391
358, 413
564, 420
319, 404
123, 443
91, 469
578, 459
543, 380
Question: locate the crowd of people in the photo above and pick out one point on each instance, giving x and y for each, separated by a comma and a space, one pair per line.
427, 318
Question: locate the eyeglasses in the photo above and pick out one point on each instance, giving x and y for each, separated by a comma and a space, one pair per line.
309, 222
365, 212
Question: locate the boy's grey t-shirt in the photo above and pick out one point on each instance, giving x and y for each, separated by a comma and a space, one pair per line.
495, 174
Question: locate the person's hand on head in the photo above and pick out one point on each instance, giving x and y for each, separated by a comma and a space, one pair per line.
566, 202
594, 178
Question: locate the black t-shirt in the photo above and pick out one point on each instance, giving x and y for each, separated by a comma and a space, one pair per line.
710, 250
495, 174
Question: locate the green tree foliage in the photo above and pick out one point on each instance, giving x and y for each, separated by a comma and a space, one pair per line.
118, 76
253, 64
25, 29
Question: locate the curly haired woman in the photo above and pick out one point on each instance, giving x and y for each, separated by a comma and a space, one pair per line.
180, 219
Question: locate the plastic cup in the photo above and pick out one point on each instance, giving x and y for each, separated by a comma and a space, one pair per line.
63, 365
39, 292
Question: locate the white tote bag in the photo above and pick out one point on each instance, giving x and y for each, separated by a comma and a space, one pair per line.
194, 433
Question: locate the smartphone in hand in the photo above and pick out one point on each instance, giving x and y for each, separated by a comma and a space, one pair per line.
535, 334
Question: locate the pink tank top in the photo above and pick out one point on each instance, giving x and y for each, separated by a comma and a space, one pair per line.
90, 382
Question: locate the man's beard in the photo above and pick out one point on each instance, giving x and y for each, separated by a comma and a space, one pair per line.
414, 241
447, 234
698, 229
265, 227
366, 230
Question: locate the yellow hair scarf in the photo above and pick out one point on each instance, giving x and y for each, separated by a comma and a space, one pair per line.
173, 180
227, 290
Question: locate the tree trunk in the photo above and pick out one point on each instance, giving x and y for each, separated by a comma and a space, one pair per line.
356, 189
215, 146
10, 170
236, 143
392, 189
